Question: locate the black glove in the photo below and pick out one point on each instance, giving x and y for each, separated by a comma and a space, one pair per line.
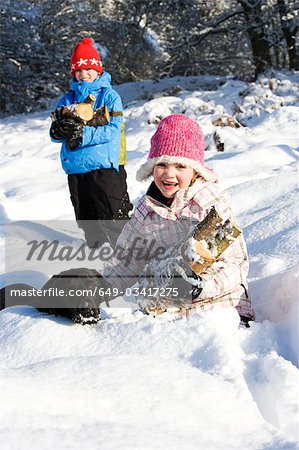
187, 284
67, 126
100, 117
56, 133
169, 283
74, 135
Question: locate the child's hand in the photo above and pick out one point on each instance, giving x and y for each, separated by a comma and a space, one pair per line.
100, 117
172, 278
177, 287
73, 134
188, 284
56, 132
67, 127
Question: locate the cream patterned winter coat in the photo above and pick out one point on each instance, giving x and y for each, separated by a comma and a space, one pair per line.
155, 225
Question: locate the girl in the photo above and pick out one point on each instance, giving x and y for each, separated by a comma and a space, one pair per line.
182, 193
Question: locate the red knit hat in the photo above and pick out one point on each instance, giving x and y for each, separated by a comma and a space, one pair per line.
85, 56
178, 139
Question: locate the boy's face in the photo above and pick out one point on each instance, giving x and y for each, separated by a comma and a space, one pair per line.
170, 178
88, 75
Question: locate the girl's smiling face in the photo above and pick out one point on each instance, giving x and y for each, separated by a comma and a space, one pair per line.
170, 178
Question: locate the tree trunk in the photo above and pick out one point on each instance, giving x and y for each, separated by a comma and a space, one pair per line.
257, 35
289, 30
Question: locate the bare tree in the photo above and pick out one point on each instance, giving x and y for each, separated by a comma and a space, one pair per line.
290, 29
139, 40
257, 33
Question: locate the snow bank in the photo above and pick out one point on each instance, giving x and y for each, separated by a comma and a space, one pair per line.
133, 381
140, 382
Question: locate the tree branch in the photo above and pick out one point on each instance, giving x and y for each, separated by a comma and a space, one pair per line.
210, 29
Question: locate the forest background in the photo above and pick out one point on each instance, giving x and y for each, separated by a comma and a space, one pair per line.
138, 40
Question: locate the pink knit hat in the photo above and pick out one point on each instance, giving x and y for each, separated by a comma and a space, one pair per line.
178, 139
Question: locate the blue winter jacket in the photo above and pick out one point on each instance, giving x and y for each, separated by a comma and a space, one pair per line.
100, 145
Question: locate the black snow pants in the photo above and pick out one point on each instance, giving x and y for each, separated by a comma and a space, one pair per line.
101, 203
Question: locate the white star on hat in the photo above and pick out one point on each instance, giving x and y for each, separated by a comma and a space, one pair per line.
82, 62
94, 62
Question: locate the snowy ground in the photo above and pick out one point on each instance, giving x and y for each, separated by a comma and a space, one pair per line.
135, 382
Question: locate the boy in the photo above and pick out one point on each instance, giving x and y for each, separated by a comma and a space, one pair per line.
90, 154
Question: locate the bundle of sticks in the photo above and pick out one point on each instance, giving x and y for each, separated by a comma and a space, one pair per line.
87, 114
210, 239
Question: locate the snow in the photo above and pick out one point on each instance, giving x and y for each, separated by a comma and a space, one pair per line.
134, 381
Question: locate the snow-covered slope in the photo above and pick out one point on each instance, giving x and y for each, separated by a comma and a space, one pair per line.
133, 381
